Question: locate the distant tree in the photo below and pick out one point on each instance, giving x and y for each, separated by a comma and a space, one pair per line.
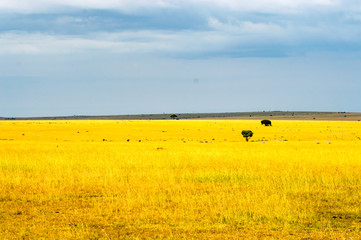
266, 123
173, 116
247, 134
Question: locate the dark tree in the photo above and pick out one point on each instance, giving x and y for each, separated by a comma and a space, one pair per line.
173, 116
247, 134
266, 123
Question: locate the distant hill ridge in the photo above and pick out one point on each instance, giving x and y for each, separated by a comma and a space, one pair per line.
275, 115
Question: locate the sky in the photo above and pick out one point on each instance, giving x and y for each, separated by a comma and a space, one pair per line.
109, 57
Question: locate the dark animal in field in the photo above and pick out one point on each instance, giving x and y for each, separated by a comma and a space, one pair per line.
266, 123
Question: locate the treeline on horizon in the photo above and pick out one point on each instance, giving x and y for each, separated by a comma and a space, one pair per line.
241, 115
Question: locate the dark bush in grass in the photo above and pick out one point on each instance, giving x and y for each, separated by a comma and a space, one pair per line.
247, 134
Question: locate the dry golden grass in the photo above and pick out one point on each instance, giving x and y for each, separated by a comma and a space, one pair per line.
180, 180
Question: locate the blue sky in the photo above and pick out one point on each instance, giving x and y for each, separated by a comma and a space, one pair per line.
152, 56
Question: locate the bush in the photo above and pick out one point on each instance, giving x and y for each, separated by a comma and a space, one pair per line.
247, 134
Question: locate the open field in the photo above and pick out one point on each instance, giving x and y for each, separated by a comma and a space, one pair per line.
186, 179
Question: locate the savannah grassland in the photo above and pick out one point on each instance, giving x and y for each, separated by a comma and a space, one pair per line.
186, 179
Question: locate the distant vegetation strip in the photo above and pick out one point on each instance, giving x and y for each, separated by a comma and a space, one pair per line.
276, 115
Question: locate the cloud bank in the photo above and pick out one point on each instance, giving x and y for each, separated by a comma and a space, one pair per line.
182, 28
36, 6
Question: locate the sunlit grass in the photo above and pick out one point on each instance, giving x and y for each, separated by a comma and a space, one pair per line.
179, 179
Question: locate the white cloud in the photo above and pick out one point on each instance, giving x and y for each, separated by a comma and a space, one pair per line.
128, 42
275, 6
244, 27
134, 5
222, 37
34, 6
68, 19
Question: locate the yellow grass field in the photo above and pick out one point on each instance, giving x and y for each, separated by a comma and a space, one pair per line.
181, 179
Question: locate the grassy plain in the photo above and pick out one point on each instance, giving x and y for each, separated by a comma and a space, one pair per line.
195, 179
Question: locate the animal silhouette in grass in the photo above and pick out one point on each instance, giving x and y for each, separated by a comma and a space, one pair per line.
247, 134
266, 123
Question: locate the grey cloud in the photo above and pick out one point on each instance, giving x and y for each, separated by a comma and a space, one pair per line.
83, 22
176, 29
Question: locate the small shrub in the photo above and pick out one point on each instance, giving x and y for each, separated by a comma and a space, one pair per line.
247, 134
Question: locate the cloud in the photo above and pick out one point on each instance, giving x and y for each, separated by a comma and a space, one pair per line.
218, 41
233, 37
243, 26
40, 6
35, 6
276, 6
180, 28
135, 42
